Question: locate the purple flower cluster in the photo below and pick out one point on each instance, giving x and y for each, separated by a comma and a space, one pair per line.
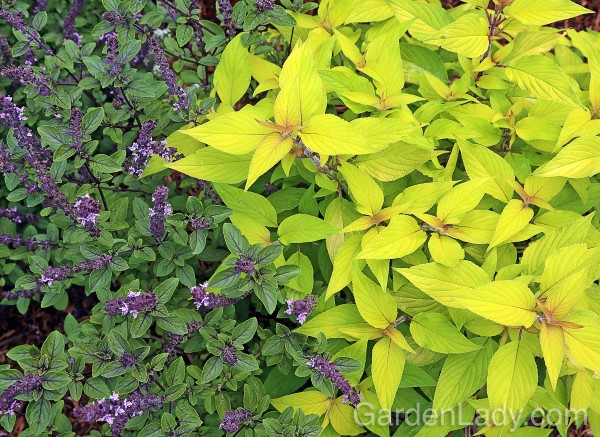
69, 26
18, 241
159, 211
87, 210
203, 298
135, 303
27, 76
23, 385
209, 192
75, 128
20, 293
244, 265
329, 371
114, 67
145, 147
233, 419
265, 5
226, 9
174, 340
60, 273
5, 51
228, 354
117, 412
40, 6
162, 63
127, 359
302, 308
10, 114
198, 223
14, 216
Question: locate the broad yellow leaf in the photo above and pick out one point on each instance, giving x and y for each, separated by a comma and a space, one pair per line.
433, 331
269, 152
468, 35
375, 305
232, 74
236, 133
302, 94
383, 131
462, 375
512, 378
333, 323
386, 368
566, 294
552, 341
541, 12
343, 262
513, 219
302, 228
364, 11
401, 237
584, 343
330, 135
583, 391
578, 159
398, 339
367, 195
443, 283
341, 418
481, 162
213, 165
508, 302
543, 79
428, 17
476, 227
421, 197
445, 250
460, 200
310, 402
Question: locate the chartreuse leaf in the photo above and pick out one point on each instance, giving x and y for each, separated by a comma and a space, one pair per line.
401, 237
342, 419
363, 11
428, 17
249, 204
507, 302
443, 283
302, 228
433, 331
214, 165
330, 135
512, 377
236, 133
578, 159
377, 307
542, 78
334, 323
344, 260
513, 219
462, 375
468, 35
269, 152
232, 74
461, 199
365, 191
583, 342
310, 402
552, 342
302, 94
387, 367
481, 162
540, 12
445, 250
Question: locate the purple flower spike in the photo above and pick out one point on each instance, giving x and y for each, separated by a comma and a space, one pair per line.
203, 298
229, 356
87, 210
134, 303
162, 64
302, 308
233, 419
26, 384
329, 371
159, 212
145, 147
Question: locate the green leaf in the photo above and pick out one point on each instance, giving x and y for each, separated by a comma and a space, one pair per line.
433, 331
540, 12
302, 228
38, 415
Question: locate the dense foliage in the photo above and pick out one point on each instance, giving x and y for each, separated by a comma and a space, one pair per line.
336, 218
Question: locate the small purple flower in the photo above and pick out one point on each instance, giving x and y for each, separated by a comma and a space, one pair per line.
27, 76
302, 308
10, 114
87, 210
40, 6
117, 412
112, 62
226, 9
145, 147
209, 192
5, 52
69, 25
198, 223
134, 303
159, 211
174, 340
244, 265
18, 240
203, 298
127, 360
60, 273
16, 294
75, 128
23, 385
329, 371
233, 419
265, 5
54, 274
228, 354
12, 215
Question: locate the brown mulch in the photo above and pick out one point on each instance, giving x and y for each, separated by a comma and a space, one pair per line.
588, 21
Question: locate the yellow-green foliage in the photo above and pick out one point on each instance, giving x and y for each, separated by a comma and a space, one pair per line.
437, 174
